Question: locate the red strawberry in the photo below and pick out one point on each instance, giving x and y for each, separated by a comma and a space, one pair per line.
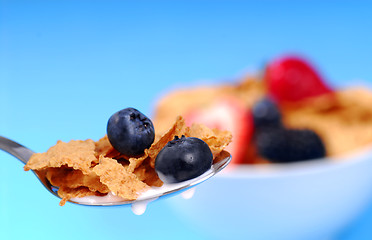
227, 114
292, 79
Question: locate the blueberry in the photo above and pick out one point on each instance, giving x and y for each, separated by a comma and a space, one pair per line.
266, 114
289, 145
183, 159
130, 132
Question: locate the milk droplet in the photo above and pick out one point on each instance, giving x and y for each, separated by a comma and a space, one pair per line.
188, 193
139, 208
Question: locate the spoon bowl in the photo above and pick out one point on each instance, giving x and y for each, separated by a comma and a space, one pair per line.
23, 154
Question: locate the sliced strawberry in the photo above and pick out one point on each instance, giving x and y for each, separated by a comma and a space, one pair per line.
227, 114
292, 79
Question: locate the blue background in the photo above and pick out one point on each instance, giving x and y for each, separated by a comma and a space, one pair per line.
66, 66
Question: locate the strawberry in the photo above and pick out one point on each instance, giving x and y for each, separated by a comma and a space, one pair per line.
227, 114
292, 79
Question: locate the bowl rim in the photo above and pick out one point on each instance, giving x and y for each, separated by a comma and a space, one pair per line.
275, 170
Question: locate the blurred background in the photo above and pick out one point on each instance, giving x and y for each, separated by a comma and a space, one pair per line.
66, 66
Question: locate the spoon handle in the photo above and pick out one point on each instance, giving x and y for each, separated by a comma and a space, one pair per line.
15, 149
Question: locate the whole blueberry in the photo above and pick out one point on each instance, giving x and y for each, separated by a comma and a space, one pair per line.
266, 114
289, 145
130, 132
182, 159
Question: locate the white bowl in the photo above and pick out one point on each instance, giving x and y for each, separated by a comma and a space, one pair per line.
305, 200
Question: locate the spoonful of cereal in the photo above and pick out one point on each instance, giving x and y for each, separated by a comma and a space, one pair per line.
130, 165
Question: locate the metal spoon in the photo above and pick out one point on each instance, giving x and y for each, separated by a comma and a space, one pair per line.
23, 154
